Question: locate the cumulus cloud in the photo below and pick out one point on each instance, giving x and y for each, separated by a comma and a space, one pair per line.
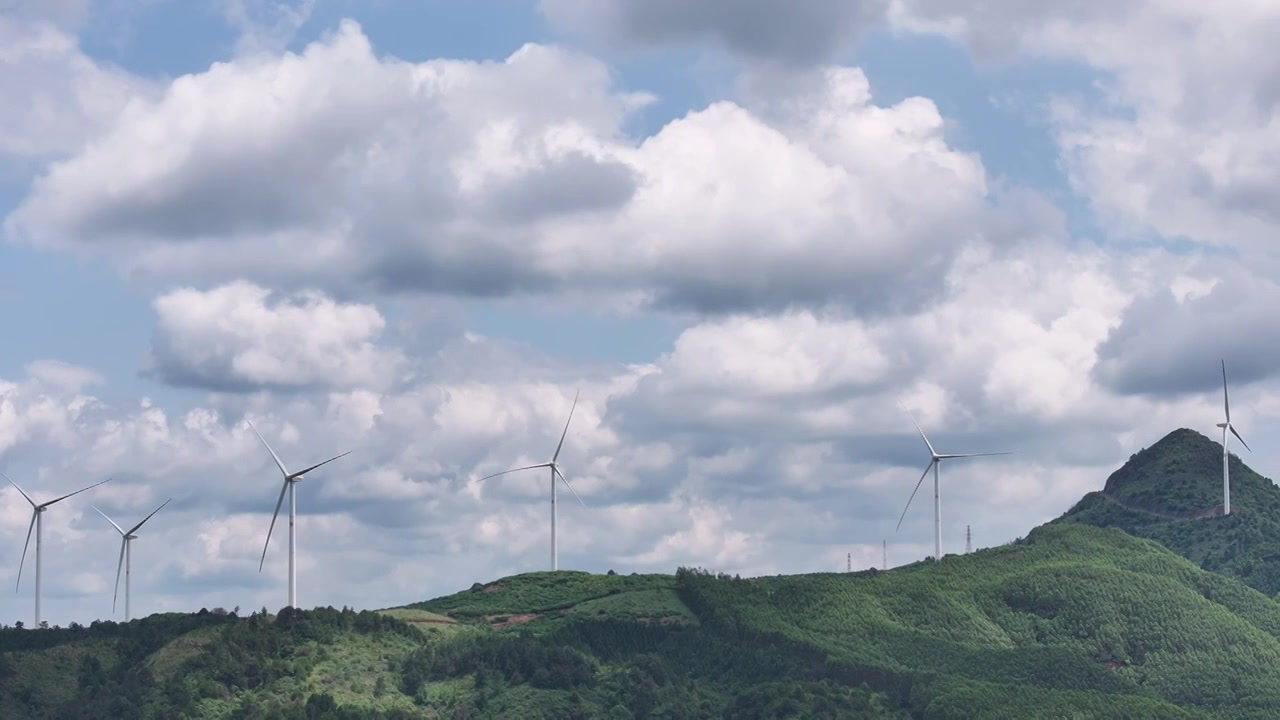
706, 456
1183, 143
1017, 334
1173, 339
842, 256
54, 97
239, 338
486, 179
798, 33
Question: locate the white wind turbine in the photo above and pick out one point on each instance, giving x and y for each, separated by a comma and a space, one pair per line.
935, 460
290, 480
555, 470
37, 512
1226, 454
126, 555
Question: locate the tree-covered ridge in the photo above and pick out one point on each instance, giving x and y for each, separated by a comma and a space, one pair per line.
1171, 492
1073, 622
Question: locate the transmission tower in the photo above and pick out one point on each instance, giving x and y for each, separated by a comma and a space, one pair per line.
848, 562
968, 540
884, 560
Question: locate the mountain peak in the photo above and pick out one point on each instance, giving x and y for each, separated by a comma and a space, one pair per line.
1181, 475
1171, 492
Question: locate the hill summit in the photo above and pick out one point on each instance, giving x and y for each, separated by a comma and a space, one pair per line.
1171, 492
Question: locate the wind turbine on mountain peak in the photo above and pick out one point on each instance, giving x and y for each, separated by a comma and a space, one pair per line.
290, 479
935, 459
37, 512
126, 555
554, 465
1226, 454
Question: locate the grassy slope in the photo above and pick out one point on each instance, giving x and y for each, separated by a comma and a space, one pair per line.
1171, 492
1078, 621
1073, 622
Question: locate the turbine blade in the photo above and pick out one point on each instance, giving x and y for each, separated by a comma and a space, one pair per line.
504, 472
1226, 404
300, 473
267, 445
30, 527
279, 502
1242, 442
119, 566
913, 493
24, 492
964, 455
556, 470
922, 435
566, 427
113, 522
134, 529
64, 497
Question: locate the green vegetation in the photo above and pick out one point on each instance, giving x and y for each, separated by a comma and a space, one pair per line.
1074, 621
1171, 492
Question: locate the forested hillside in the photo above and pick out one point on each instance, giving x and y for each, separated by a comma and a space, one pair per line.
1072, 622
1171, 492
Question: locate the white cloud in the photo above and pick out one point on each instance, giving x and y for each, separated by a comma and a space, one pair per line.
708, 539
841, 256
238, 337
53, 97
1170, 343
817, 438
1017, 335
1183, 141
266, 25
339, 169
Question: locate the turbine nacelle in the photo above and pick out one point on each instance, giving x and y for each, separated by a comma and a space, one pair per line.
935, 460
36, 510
289, 479
125, 537
1226, 409
554, 465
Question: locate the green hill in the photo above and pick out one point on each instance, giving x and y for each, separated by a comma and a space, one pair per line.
1072, 622
1085, 618
1171, 492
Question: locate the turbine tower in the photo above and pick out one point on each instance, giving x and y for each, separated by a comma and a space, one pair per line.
1226, 454
935, 460
290, 480
37, 513
555, 470
126, 556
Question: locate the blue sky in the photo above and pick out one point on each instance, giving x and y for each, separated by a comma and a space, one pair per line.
1027, 239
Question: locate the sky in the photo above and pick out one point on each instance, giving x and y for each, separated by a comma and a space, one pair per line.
756, 237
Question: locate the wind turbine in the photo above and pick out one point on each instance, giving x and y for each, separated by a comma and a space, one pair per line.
935, 460
126, 555
290, 480
1226, 454
555, 470
37, 512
